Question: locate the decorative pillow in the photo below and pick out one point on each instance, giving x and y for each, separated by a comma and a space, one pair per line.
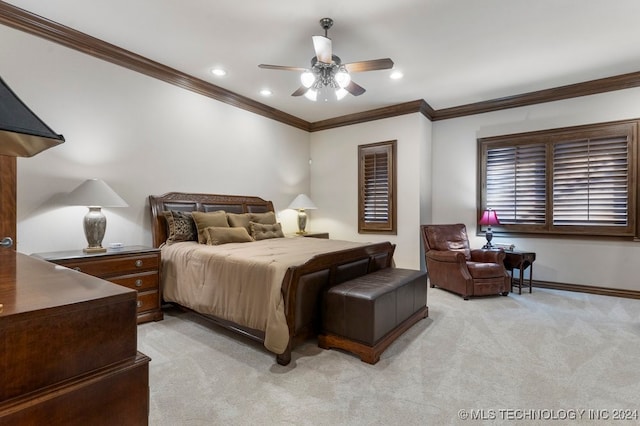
222, 235
180, 227
239, 219
261, 231
205, 220
268, 218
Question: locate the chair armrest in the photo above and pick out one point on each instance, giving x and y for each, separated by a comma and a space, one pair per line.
446, 256
488, 256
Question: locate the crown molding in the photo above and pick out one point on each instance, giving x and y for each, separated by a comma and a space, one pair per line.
371, 115
36, 25
592, 87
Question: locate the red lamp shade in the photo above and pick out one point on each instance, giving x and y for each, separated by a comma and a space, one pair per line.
489, 218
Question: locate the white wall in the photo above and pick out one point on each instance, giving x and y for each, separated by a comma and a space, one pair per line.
334, 181
143, 136
597, 262
140, 135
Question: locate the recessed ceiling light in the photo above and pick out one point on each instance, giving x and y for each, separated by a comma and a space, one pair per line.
396, 75
218, 72
266, 92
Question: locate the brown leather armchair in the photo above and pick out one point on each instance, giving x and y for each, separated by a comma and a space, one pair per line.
453, 266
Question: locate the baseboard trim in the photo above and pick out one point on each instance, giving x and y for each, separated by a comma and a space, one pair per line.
604, 291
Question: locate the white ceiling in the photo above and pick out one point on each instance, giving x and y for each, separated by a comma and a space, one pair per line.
452, 52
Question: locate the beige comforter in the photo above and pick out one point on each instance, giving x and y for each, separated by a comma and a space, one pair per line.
240, 282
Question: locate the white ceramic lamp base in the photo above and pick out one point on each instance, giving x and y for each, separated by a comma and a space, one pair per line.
302, 221
95, 224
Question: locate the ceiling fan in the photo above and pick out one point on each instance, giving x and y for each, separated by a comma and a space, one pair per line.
327, 74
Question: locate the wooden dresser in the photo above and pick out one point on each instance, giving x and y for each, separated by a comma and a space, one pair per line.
135, 267
69, 348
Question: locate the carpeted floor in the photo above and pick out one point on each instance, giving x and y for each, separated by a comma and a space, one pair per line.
531, 358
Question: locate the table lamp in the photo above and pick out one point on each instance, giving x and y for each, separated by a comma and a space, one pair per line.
95, 194
489, 218
302, 203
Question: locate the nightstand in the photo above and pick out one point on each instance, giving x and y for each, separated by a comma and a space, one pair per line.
316, 235
135, 267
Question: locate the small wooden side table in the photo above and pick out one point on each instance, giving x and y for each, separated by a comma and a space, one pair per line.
520, 260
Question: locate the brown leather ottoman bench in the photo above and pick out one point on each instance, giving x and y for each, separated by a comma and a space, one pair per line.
366, 314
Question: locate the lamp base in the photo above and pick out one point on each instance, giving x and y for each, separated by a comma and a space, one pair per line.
95, 225
489, 236
94, 250
302, 222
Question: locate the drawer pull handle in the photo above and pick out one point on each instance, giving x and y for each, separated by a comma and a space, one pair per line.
138, 282
77, 268
139, 304
138, 263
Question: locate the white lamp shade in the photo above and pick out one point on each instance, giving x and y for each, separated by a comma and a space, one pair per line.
302, 202
95, 192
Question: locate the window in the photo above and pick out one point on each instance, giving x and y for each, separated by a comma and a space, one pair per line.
578, 180
377, 188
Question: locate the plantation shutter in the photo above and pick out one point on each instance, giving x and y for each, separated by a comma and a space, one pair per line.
516, 184
590, 182
376, 188
578, 180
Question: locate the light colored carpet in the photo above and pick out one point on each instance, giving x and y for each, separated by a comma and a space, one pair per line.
549, 354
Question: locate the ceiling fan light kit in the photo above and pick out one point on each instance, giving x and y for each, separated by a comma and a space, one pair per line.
328, 78
307, 78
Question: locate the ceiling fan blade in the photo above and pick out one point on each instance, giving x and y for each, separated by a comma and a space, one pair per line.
281, 67
301, 91
373, 65
322, 46
355, 89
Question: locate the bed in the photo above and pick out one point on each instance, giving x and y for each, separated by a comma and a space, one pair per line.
295, 271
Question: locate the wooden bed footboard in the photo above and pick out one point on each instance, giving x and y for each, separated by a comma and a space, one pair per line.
302, 285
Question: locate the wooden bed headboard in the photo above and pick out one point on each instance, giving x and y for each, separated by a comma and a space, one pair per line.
188, 202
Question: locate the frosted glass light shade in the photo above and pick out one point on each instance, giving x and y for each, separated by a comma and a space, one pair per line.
341, 93
307, 78
311, 94
343, 78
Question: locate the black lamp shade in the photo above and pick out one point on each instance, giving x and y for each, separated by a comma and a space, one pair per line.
22, 133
